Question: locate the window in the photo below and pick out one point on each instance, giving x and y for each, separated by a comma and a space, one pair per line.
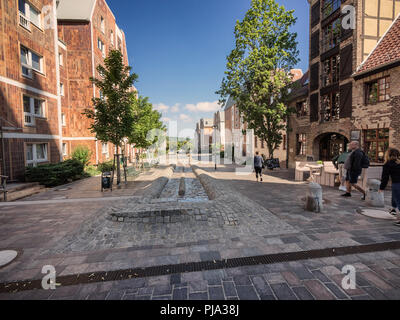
376, 144
61, 59
301, 149
331, 35
64, 149
330, 71
102, 25
28, 14
30, 61
378, 91
302, 109
62, 92
102, 47
104, 149
36, 153
329, 7
330, 106
262, 144
112, 37
63, 120
33, 108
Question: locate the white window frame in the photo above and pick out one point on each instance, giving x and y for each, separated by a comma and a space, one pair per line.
102, 47
32, 115
27, 16
65, 149
35, 161
29, 64
102, 25
61, 59
112, 37
105, 149
63, 120
62, 89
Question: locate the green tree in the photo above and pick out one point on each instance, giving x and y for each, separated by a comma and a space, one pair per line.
258, 74
113, 114
147, 121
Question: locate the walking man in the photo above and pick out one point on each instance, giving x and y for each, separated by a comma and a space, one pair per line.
354, 164
339, 162
258, 165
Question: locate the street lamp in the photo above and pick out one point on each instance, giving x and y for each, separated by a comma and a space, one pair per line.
215, 144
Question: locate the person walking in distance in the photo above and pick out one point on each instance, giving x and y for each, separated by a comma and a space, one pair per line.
391, 170
258, 165
355, 163
339, 162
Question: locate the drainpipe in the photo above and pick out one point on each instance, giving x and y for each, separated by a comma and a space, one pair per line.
3, 155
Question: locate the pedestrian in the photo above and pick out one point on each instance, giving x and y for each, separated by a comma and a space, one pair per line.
391, 169
258, 166
339, 162
355, 163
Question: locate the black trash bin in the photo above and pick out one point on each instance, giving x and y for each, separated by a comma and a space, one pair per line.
106, 181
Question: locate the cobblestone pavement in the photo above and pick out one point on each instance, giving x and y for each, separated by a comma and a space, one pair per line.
39, 230
377, 278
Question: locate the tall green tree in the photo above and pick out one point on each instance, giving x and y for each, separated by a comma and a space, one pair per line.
258, 74
146, 120
113, 113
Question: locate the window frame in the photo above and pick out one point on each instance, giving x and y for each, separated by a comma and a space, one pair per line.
29, 64
386, 95
301, 144
334, 4
303, 111
376, 140
328, 38
331, 77
32, 114
35, 161
323, 109
28, 7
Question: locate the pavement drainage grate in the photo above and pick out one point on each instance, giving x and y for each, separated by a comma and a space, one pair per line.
98, 277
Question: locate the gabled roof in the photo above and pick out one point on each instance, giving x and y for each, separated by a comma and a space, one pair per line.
75, 9
386, 52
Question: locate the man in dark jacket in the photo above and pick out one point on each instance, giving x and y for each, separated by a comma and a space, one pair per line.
258, 165
354, 166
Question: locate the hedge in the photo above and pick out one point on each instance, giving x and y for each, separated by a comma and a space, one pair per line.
52, 175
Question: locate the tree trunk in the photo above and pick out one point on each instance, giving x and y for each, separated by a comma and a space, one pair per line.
118, 168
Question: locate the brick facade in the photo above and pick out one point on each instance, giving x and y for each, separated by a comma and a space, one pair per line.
334, 111
68, 56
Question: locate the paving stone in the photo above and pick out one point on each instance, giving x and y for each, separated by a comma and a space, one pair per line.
175, 278
246, 293
302, 293
180, 294
229, 289
242, 280
336, 291
216, 293
198, 296
318, 290
162, 290
283, 292
115, 295
210, 256
375, 280
320, 276
291, 278
303, 273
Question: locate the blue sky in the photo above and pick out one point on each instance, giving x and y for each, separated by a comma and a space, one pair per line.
179, 47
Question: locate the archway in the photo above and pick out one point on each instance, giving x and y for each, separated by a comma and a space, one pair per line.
329, 145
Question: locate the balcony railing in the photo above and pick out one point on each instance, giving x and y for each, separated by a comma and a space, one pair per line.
24, 22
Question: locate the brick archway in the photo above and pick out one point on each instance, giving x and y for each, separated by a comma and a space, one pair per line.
328, 145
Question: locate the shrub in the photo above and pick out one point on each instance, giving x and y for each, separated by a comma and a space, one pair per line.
106, 166
52, 175
92, 171
82, 154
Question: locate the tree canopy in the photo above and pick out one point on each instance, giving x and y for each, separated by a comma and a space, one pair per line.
258, 75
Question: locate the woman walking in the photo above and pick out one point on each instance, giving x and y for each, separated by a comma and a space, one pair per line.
391, 169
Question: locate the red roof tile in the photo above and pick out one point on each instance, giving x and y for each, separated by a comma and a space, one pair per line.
386, 51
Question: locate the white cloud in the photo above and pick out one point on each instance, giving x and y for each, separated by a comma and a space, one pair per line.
165, 119
161, 107
184, 117
175, 108
204, 107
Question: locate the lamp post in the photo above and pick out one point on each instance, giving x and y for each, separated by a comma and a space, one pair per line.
215, 145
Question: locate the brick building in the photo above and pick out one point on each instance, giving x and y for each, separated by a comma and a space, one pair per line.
326, 120
49, 50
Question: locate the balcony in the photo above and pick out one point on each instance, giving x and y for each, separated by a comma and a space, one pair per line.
330, 6
24, 22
